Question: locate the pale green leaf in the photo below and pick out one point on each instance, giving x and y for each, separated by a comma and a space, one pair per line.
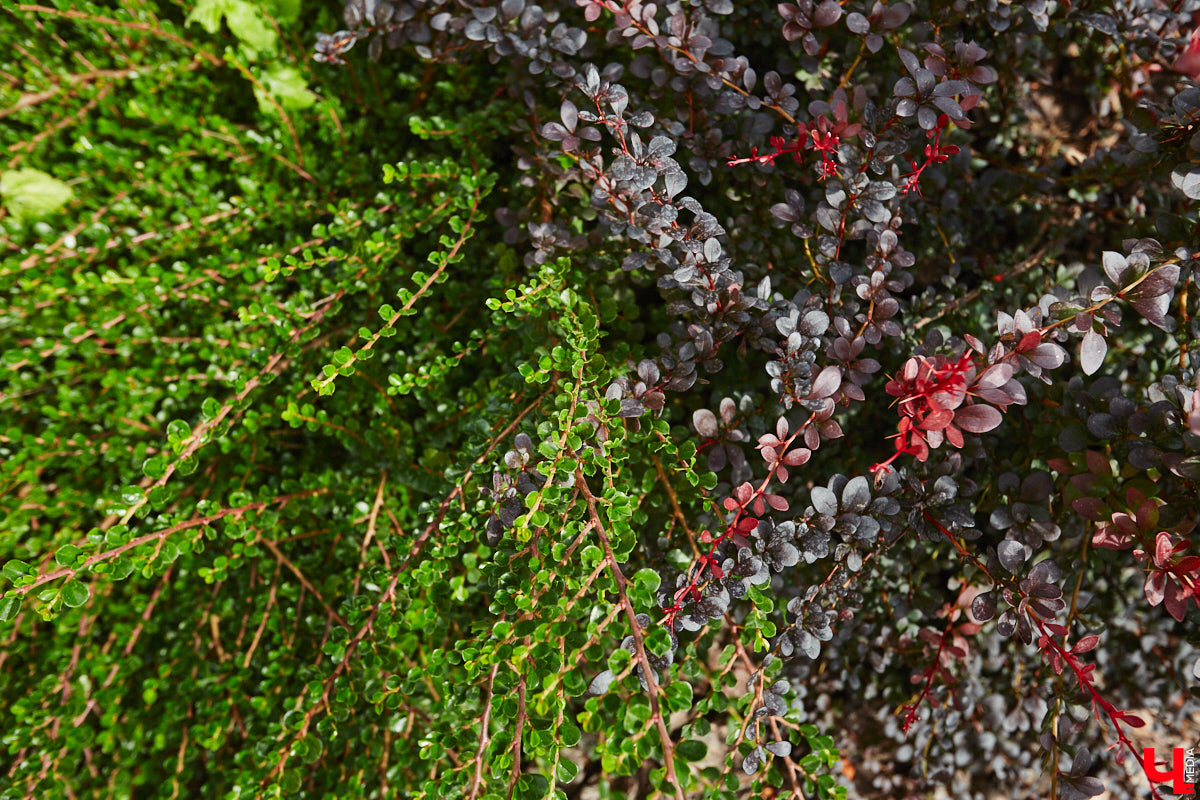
32, 194
287, 86
208, 13
249, 26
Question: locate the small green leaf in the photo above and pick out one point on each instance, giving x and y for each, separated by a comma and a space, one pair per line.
16, 568
647, 579
154, 468
574, 683
636, 714
67, 554
692, 750
210, 408
75, 594
567, 770
618, 660
9, 606
679, 695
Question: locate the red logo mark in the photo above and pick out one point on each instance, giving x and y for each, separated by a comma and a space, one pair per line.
1180, 767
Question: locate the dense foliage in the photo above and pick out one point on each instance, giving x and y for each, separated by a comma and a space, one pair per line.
452, 398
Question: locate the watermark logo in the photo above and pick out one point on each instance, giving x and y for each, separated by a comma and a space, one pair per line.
1183, 769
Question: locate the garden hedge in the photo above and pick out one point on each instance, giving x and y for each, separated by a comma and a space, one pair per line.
462, 399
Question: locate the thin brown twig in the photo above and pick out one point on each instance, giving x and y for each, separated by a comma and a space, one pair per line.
262, 626
638, 641
389, 593
108, 555
485, 736
285, 561
1023, 266
516, 746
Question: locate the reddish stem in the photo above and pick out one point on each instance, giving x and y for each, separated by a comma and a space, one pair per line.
931, 671
1082, 674
708, 561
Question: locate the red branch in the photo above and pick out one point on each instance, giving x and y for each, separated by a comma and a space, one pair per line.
912, 709
739, 524
1083, 673
1057, 655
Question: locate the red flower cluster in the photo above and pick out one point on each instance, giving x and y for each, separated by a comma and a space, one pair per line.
1174, 578
824, 136
935, 153
932, 392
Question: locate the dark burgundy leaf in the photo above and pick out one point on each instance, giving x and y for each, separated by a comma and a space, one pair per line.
1160, 281
977, 418
1115, 266
1091, 352
909, 60
631, 407
1047, 355
569, 115
827, 14
1012, 554
1045, 572
706, 423
1176, 600
1101, 22
983, 607
782, 749
1154, 309
827, 382
1087, 785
